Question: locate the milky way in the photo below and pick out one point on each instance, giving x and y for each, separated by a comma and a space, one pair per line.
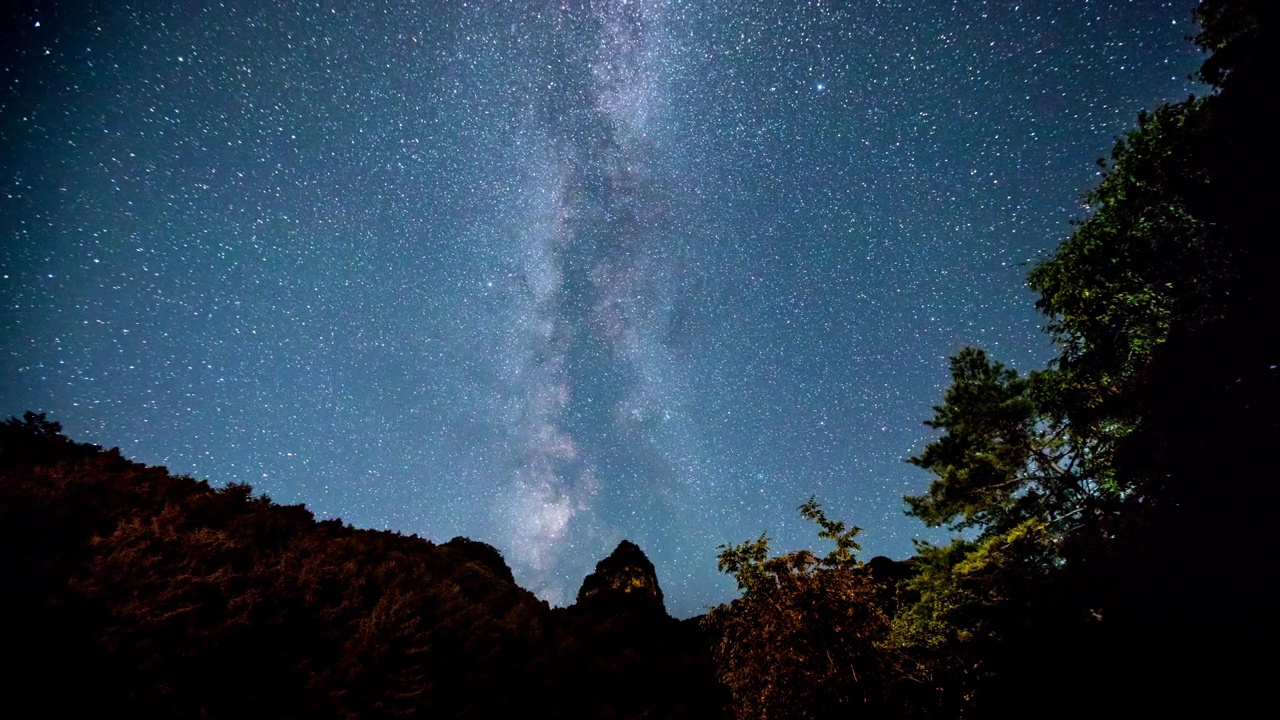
588, 287
548, 274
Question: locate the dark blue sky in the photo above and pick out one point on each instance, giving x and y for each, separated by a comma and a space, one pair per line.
548, 274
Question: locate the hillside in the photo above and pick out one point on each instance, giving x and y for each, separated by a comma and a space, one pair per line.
156, 595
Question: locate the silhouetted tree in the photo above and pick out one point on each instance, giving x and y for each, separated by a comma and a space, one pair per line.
1100, 485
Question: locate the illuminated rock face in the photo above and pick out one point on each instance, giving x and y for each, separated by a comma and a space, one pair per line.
626, 576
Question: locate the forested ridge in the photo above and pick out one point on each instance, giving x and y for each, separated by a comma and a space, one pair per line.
131, 592
1113, 510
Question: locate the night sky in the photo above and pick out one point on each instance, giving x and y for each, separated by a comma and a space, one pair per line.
548, 274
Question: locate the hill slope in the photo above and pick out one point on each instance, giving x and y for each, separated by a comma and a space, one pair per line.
159, 596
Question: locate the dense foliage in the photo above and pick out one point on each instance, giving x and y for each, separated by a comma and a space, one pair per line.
803, 627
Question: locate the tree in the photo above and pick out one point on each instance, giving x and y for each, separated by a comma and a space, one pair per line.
1002, 458
1116, 504
802, 641
1161, 303
1123, 491
1157, 303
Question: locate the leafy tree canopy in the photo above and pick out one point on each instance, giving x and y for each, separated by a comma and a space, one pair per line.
802, 641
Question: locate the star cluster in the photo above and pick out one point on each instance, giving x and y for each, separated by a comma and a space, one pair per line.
548, 274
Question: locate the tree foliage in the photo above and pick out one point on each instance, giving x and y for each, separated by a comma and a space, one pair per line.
803, 641
1135, 299
1000, 459
1094, 487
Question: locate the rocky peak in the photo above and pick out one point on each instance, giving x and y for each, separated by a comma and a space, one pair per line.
625, 576
482, 554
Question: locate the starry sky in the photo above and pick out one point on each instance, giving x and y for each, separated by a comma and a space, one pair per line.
548, 274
